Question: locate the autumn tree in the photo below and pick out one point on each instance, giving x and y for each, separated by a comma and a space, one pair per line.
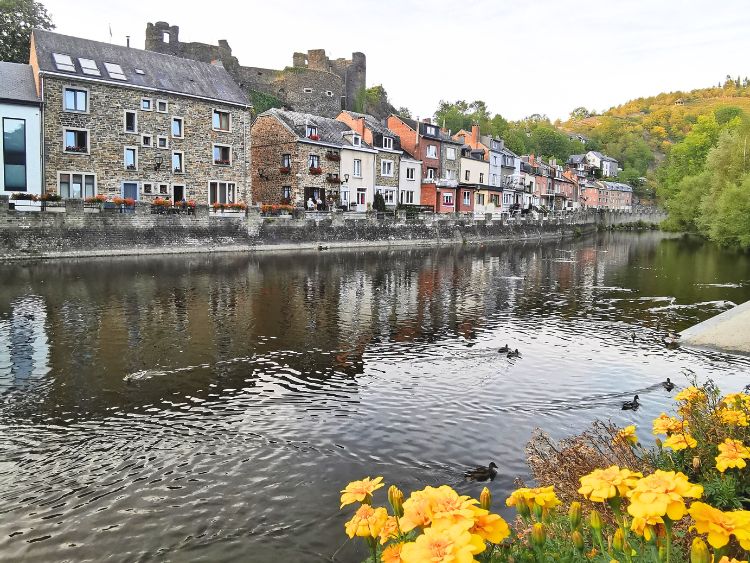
17, 19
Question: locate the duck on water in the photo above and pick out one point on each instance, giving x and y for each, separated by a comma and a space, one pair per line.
631, 405
482, 473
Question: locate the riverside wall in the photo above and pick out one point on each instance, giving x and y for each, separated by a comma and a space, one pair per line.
71, 229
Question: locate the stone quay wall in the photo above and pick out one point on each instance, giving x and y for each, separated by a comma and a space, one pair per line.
70, 229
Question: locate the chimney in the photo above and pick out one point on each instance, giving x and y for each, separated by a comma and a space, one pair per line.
127, 41
359, 126
474, 136
427, 120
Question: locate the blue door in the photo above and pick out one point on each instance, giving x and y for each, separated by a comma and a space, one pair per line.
130, 190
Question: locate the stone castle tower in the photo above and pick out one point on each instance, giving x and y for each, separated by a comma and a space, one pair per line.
314, 83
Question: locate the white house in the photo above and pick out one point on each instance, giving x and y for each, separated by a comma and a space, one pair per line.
409, 180
20, 119
358, 172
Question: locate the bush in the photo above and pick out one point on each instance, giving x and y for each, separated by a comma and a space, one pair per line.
379, 202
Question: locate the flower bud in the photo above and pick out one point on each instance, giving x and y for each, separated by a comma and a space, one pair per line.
577, 540
574, 515
523, 510
696, 463
699, 552
618, 540
538, 512
485, 499
396, 498
538, 535
658, 443
595, 521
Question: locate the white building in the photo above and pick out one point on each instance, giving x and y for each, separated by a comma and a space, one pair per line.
358, 173
409, 180
20, 119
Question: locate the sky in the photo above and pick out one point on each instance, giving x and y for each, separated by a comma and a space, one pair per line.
520, 57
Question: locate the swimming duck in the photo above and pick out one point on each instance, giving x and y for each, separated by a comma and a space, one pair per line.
514, 353
631, 405
668, 385
503, 349
482, 473
671, 340
632, 337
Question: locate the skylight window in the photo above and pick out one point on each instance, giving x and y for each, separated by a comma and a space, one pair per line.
115, 71
139, 71
63, 62
89, 67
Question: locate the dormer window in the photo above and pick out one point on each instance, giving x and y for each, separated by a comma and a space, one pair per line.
89, 67
387, 142
311, 132
357, 141
431, 130
63, 62
115, 71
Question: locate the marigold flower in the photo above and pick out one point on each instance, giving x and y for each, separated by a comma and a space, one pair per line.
454, 544
392, 553
626, 436
489, 527
662, 494
732, 453
725, 559
396, 498
644, 527
736, 400
542, 496
360, 491
417, 511
666, 425
721, 525
680, 441
437, 506
603, 484
732, 417
699, 552
690, 394
367, 522
389, 530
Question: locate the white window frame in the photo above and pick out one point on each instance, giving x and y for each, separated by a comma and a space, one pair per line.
229, 115
389, 195
450, 153
307, 90
150, 143
357, 168
167, 191
88, 140
431, 172
387, 142
356, 140
125, 122
431, 130
406, 197
222, 146
311, 130
160, 138
182, 127
448, 198
115, 71
150, 190
79, 89
450, 174
62, 64
83, 187
89, 69
481, 177
467, 175
467, 197
125, 160
410, 173
182, 161
383, 166
226, 187
150, 104
432, 151
166, 106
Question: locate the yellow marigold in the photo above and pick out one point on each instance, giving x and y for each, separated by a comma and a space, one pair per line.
489, 527
366, 522
732, 417
721, 525
519, 497
626, 436
389, 530
416, 511
662, 494
732, 453
725, 559
680, 441
603, 484
644, 527
737, 400
690, 394
454, 544
543, 496
666, 425
437, 506
359, 491
392, 553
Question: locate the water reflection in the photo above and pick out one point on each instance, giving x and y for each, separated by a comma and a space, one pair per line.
206, 407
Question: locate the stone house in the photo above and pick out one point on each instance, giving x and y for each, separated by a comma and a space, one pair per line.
300, 157
20, 125
137, 124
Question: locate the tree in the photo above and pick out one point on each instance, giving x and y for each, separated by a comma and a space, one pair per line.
378, 203
403, 111
17, 19
580, 113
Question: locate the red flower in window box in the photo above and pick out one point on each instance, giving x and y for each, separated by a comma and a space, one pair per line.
333, 156
99, 198
285, 169
316, 170
75, 149
222, 162
333, 179
314, 137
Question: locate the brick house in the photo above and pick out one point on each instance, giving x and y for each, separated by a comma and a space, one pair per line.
299, 157
126, 122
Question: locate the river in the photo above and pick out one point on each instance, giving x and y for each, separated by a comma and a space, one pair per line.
210, 408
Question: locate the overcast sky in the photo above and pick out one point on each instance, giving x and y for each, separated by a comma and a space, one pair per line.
520, 57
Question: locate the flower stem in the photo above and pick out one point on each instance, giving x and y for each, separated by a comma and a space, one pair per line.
668, 526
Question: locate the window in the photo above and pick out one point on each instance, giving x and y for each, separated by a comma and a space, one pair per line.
221, 120
410, 173
161, 106
387, 142
131, 158
147, 104
63, 62
14, 154
307, 90
480, 199
467, 175
163, 189
313, 161
76, 185
450, 153
76, 99
494, 161
286, 193
431, 130
357, 141
447, 198
450, 174
481, 177
467, 198
329, 93
178, 164
148, 188
147, 140
162, 142
431, 173
432, 151
286, 160
494, 179
389, 196
406, 196
222, 155
131, 122
221, 192
357, 170
386, 168
177, 129
311, 131
139, 71
89, 67
115, 71
76, 141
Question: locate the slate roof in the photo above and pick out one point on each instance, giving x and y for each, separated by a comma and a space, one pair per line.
160, 72
617, 186
409, 156
17, 83
576, 158
329, 130
373, 124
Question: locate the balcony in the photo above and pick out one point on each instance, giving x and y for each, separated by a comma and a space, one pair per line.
446, 183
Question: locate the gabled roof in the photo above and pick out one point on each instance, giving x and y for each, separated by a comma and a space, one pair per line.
17, 83
576, 158
372, 123
330, 131
617, 186
159, 72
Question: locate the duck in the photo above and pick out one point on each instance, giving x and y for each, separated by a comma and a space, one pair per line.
631, 405
671, 340
514, 353
632, 337
482, 473
503, 349
668, 385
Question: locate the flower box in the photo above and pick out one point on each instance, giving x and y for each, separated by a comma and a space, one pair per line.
222, 162
316, 170
285, 169
333, 156
75, 149
314, 137
333, 179
99, 198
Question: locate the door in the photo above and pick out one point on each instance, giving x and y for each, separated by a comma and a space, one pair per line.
361, 200
130, 190
178, 193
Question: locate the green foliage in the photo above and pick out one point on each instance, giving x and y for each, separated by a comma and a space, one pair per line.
373, 100
378, 202
17, 19
404, 112
262, 102
580, 113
